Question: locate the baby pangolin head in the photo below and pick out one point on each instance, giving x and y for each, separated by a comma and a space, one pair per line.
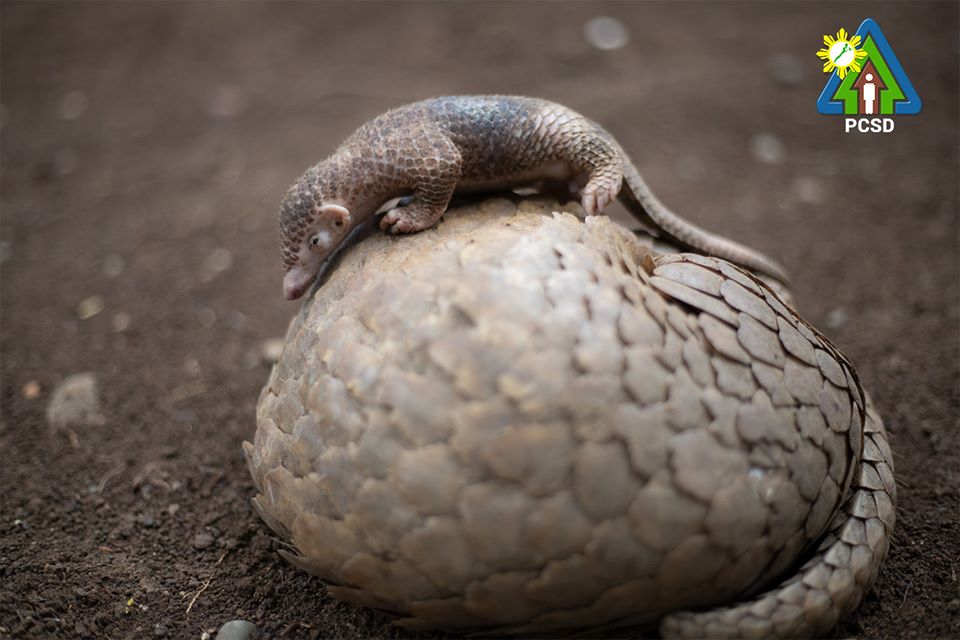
312, 226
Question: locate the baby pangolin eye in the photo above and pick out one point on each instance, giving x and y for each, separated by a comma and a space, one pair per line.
338, 223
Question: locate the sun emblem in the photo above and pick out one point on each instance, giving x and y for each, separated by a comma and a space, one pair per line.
841, 53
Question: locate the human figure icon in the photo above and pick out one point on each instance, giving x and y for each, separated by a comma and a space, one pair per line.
869, 86
869, 94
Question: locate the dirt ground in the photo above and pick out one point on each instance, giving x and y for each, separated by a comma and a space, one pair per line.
145, 149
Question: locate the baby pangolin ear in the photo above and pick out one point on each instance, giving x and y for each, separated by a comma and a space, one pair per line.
337, 214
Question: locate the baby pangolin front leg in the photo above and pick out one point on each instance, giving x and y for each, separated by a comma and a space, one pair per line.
432, 177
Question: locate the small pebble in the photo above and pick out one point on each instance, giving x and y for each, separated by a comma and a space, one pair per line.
606, 33
954, 605
89, 307
159, 630
271, 350
31, 390
237, 630
767, 148
220, 260
120, 321
75, 401
202, 540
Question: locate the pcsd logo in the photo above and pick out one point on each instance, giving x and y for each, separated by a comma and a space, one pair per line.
867, 83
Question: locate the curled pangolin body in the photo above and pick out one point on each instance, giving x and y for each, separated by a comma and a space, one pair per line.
433, 148
526, 423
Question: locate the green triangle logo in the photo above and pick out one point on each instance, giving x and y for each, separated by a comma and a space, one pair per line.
880, 87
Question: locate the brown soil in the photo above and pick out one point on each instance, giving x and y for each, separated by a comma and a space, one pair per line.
141, 139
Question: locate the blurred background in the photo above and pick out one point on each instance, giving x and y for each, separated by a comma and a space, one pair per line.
144, 148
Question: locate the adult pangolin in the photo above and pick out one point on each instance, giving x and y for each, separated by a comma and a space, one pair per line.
430, 149
521, 422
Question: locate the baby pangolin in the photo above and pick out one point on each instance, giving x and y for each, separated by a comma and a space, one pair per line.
430, 149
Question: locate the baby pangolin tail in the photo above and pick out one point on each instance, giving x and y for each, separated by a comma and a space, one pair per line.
640, 201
